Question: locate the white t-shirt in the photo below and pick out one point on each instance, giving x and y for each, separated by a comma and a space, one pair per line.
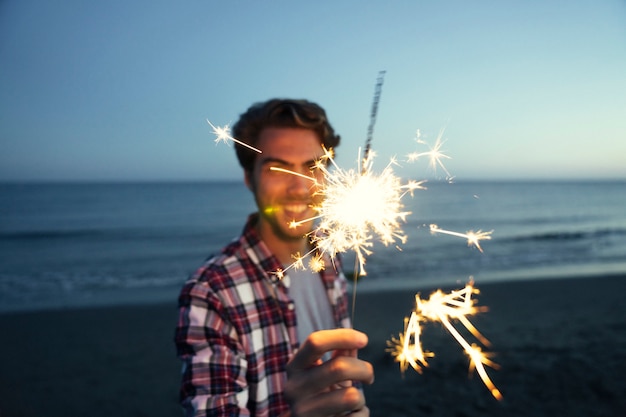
313, 310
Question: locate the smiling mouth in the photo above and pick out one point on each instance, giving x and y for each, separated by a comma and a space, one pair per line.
295, 209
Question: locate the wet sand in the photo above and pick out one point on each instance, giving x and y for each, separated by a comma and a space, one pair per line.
560, 344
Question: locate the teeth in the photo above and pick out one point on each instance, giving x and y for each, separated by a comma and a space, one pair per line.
296, 208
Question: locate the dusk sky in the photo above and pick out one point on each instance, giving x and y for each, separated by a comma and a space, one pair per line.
121, 90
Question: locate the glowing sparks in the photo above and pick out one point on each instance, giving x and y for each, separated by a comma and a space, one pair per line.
223, 135
434, 154
358, 206
457, 305
316, 263
407, 349
473, 238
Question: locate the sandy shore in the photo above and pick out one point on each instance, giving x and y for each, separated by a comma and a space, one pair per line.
561, 345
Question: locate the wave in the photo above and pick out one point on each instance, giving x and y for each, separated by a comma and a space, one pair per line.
122, 244
50, 234
570, 235
103, 234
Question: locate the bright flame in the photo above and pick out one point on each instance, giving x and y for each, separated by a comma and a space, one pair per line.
358, 206
456, 305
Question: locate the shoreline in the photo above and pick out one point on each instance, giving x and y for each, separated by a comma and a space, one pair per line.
560, 344
129, 297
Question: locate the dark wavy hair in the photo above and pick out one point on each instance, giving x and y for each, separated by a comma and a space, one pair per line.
280, 113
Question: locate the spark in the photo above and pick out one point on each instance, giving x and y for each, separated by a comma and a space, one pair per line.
223, 135
473, 238
358, 206
443, 308
316, 263
406, 348
434, 154
280, 273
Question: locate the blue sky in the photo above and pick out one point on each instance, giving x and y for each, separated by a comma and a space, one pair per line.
121, 90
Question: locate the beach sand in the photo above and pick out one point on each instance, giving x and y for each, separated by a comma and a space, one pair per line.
560, 344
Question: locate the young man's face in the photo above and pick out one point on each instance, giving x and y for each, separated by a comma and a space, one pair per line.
282, 197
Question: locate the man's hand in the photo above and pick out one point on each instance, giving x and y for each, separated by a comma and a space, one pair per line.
315, 388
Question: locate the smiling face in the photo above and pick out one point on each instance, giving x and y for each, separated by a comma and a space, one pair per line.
282, 197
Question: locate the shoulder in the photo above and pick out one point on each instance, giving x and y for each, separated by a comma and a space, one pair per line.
224, 275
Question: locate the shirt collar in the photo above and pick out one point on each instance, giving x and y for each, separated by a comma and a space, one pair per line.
271, 264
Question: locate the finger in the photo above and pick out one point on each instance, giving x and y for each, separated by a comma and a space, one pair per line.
333, 373
363, 412
345, 352
337, 402
343, 368
318, 343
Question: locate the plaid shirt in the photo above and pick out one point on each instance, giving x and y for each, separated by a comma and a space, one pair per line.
237, 330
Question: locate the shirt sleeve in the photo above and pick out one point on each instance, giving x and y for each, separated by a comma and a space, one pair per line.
214, 365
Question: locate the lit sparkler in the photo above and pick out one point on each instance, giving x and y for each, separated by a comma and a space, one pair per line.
357, 207
457, 305
360, 206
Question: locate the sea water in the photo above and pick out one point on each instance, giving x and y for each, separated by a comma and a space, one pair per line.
76, 244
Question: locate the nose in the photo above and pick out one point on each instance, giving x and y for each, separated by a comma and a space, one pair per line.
301, 184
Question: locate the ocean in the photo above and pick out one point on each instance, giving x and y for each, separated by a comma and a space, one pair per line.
79, 244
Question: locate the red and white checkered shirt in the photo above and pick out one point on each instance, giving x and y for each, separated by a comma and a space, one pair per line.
237, 330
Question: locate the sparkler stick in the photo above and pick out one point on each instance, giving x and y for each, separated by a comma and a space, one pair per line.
370, 128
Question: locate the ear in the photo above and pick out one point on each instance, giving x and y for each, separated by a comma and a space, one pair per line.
247, 179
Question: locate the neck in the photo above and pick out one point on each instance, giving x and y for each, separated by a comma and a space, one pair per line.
282, 247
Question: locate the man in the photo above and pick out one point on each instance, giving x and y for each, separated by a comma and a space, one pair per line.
254, 342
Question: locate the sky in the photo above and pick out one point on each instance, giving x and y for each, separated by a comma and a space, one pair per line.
122, 90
